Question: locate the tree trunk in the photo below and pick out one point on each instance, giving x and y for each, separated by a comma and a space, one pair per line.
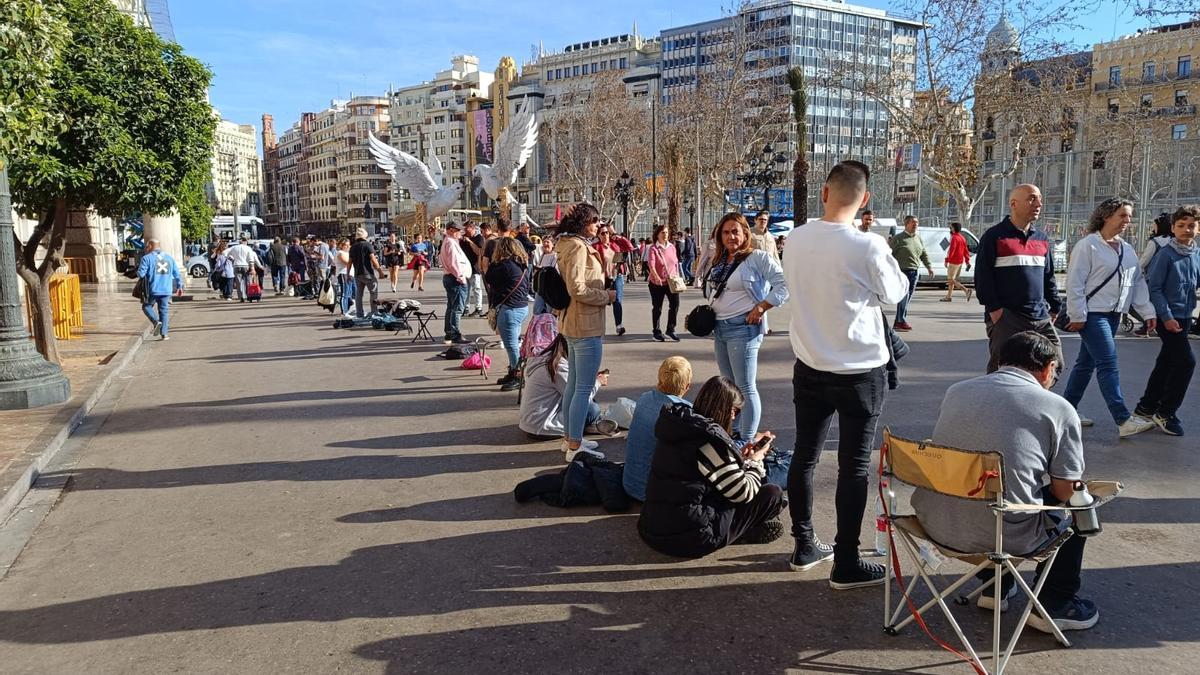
800, 189
37, 277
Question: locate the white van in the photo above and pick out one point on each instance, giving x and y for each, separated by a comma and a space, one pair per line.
937, 243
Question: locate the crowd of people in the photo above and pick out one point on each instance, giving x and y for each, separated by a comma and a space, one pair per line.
706, 474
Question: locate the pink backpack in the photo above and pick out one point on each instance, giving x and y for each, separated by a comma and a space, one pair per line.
542, 330
477, 361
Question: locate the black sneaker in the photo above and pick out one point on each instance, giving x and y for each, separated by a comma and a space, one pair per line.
507, 378
1143, 412
763, 533
861, 574
1169, 425
460, 340
659, 336
809, 555
512, 385
1078, 614
671, 334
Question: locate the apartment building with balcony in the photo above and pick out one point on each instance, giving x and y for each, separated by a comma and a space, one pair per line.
235, 185
363, 187
1154, 73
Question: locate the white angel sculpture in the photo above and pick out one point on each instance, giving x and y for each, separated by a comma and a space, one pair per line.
423, 182
513, 149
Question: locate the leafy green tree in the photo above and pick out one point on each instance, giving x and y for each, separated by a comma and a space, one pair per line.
137, 125
32, 36
195, 213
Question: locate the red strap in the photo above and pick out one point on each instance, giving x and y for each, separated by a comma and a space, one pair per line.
983, 479
895, 561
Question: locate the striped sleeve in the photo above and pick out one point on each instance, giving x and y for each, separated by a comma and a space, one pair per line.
721, 468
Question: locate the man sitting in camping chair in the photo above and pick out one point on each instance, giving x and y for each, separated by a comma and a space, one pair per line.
1012, 412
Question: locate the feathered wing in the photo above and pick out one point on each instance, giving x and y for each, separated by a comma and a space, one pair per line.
408, 171
515, 145
435, 168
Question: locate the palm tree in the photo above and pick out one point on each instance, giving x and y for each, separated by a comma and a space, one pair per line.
795, 78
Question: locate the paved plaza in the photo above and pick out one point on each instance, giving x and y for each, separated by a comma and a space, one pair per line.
264, 493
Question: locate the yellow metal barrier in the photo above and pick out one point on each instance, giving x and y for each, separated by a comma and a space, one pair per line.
66, 306
84, 267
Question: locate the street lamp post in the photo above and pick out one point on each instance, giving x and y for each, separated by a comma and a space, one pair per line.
765, 171
624, 190
26, 379
652, 77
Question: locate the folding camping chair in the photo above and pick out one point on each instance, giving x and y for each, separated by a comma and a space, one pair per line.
979, 477
423, 319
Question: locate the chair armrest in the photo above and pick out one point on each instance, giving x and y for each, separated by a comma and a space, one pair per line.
1102, 491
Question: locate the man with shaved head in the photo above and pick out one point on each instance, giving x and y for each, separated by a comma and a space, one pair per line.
840, 278
1014, 275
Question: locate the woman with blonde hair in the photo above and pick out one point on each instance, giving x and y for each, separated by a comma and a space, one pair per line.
742, 285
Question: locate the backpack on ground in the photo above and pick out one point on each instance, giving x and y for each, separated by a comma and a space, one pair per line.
457, 352
542, 331
549, 284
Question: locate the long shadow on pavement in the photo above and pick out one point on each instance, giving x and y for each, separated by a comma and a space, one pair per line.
350, 468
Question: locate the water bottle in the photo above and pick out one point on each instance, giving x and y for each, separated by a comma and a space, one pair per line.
1087, 522
881, 523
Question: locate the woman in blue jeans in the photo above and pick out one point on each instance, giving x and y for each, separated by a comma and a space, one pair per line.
742, 285
1103, 281
508, 286
582, 322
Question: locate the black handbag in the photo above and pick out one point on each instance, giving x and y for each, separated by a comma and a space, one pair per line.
702, 320
1062, 321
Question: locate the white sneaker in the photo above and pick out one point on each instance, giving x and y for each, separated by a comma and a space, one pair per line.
1086, 421
1134, 425
569, 455
165, 338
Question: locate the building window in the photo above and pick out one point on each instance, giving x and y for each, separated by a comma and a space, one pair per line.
544, 197
1114, 106
1184, 66
1179, 132
1148, 71
987, 153
1181, 97
623, 62
1114, 74
574, 71
1147, 101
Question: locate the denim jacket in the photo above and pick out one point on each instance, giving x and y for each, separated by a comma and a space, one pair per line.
763, 276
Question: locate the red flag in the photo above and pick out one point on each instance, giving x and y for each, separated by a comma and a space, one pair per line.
557, 212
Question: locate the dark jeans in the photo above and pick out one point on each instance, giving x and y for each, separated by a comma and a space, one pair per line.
1012, 322
1172, 373
279, 277
902, 306
685, 265
1062, 582
456, 301
1098, 354
657, 293
766, 505
857, 400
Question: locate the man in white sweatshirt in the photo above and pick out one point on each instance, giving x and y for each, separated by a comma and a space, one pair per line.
839, 277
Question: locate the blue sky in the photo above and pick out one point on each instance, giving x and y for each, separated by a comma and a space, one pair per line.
285, 57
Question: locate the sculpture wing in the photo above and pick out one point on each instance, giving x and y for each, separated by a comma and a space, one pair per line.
435, 168
515, 145
408, 171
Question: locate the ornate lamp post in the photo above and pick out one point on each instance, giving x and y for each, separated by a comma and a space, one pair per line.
26, 379
765, 171
624, 191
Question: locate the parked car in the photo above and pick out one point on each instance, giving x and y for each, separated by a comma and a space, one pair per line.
937, 243
197, 266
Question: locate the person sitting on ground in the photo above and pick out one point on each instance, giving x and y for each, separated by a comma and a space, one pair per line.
542, 401
1039, 434
704, 493
674, 380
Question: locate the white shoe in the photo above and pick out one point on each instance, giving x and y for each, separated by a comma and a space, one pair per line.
569, 455
1134, 425
1086, 421
165, 338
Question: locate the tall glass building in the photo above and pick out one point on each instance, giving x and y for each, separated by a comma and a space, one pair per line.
811, 34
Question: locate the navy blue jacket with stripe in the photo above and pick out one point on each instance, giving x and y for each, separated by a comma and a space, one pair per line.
1014, 270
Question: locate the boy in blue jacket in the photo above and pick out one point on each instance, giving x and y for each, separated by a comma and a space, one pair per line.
1172, 276
163, 280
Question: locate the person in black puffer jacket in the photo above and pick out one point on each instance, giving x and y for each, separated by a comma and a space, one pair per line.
705, 492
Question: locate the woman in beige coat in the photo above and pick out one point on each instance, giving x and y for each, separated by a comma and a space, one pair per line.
582, 322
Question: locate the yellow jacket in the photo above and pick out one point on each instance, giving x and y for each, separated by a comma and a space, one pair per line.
583, 273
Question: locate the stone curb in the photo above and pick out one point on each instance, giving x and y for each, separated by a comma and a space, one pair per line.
37, 461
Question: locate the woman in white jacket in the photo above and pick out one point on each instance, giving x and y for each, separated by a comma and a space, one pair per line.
542, 400
1103, 281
